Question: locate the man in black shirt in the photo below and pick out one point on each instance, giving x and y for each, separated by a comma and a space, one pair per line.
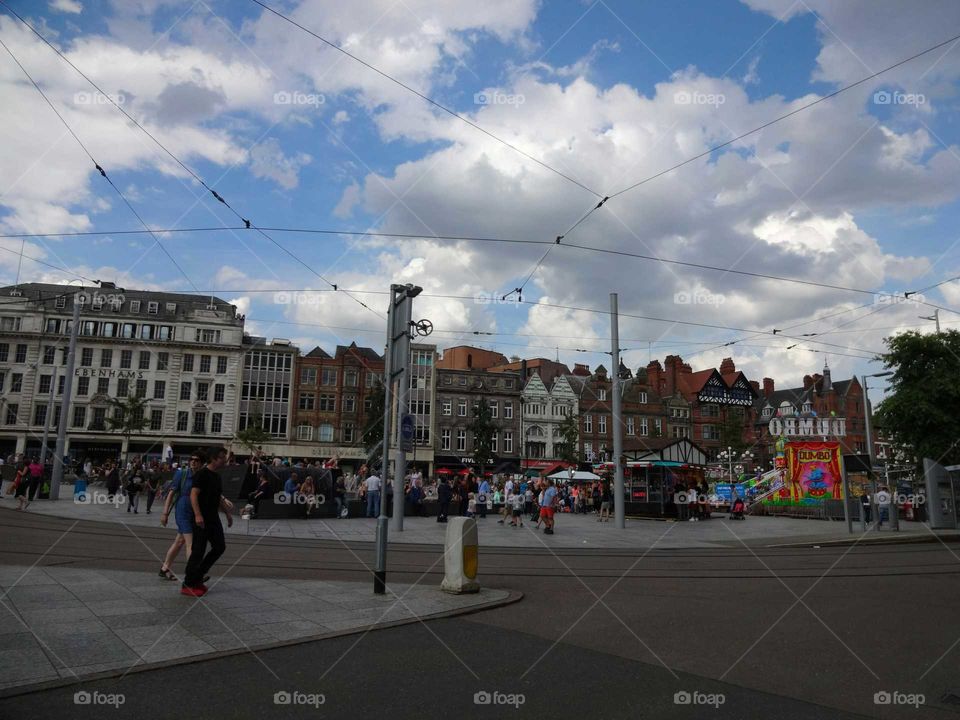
206, 501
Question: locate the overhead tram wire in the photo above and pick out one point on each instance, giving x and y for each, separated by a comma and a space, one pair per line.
247, 223
426, 98
97, 165
469, 238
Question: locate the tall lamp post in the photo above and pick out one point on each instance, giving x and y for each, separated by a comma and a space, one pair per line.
728, 457
872, 454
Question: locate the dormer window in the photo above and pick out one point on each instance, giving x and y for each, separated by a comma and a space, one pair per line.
97, 303
807, 407
767, 411
134, 306
61, 302
153, 307
171, 307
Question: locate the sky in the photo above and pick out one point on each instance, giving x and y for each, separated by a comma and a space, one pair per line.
540, 110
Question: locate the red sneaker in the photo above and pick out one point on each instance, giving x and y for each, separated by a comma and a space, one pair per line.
196, 592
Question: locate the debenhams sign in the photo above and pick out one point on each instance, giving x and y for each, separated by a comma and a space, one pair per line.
808, 427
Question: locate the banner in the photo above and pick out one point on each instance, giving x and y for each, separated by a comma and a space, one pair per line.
814, 474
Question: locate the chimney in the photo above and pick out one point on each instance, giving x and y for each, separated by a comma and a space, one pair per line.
654, 375
671, 364
756, 386
768, 388
523, 370
807, 382
727, 366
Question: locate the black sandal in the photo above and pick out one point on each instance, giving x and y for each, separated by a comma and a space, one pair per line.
166, 574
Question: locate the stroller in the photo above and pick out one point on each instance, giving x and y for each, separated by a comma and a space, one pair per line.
736, 512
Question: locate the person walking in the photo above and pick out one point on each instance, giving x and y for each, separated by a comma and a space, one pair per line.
883, 505
548, 506
692, 502
606, 498
340, 497
206, 501
483, 493
133, 490
35, 472
112, 480
178, 501
681, 502
21, 487
444, 494
372, 484
865, 504
150, 488
507, 501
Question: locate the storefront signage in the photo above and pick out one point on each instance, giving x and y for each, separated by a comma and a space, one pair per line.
103, 372
808, 427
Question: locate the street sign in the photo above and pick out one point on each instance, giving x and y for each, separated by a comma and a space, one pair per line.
406, 433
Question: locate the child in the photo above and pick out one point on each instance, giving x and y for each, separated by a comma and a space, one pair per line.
472, 505
518, 501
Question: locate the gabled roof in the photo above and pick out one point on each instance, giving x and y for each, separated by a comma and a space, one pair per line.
364, 353
318, 352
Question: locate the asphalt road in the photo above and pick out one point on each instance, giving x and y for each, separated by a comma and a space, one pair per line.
792, 633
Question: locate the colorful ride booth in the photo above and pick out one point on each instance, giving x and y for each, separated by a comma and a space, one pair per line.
653, 468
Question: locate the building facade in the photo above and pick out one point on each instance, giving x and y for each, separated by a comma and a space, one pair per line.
266, 389
181, 353
544, 412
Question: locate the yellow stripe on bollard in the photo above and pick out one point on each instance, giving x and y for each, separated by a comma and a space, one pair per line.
471, 560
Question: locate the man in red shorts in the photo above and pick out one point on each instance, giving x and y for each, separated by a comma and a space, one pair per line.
547, 508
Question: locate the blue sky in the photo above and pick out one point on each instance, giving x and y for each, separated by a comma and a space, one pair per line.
859, 191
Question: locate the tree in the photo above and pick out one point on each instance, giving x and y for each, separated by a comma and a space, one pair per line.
731, 430
921, 409
373, 432
567, 448
483, 429
128, 417
254, 434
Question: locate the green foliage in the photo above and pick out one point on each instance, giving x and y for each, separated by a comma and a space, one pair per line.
568, 447
373, 432
483, 429
921, 410
731, 430
128, 415
254, 434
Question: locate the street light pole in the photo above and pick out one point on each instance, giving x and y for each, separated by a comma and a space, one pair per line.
46, 425
871, 452
65, 405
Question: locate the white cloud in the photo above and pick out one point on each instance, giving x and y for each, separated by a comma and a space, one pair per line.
267, 160
67, 6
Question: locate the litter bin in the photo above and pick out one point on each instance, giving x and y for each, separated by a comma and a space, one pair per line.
80, 489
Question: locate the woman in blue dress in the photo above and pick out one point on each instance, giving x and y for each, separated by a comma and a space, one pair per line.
178, 499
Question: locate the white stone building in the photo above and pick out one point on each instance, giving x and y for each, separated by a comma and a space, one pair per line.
544, 411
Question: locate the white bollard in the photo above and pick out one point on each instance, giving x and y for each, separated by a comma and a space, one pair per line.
460, 556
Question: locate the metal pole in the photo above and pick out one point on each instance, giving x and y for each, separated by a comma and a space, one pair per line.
874, 510
46, 424
846, 502
380, 567
403, 394
65, 404
618, 501
894, 510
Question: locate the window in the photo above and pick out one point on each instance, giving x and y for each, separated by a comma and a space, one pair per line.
9, 324
53, 326
494, 410
128, 331
83, 385
99, 419
16, 382
21, 356
221, 364
171, 307
159, 389
186, 388
630, 426
328, 403
40, 415
203, 391
134, 306
61, 382
183, 418
86, 357
156, 419
304, 432
588, 423
49, 354
461, 440
495, 438
208, 336
602, 424
350, 404
153, 307
445, 439
79, 416
106, 358
679, 431
347, 433
326, 433
103, 386
711, 432
307, 401
508, 441
108, 329
461, 408
204, 363
144, 360
446, 407
46, 382
164, 332
219, 390
60, 303
12, 411
350, 378
123, 387
163, 361
188, 362
308, 376
146, 332
658, 426
328, 376
126, 358
199, 423
602, 394
807, 407
462, 380
88, 327
141, 388
507, 414
767, 411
